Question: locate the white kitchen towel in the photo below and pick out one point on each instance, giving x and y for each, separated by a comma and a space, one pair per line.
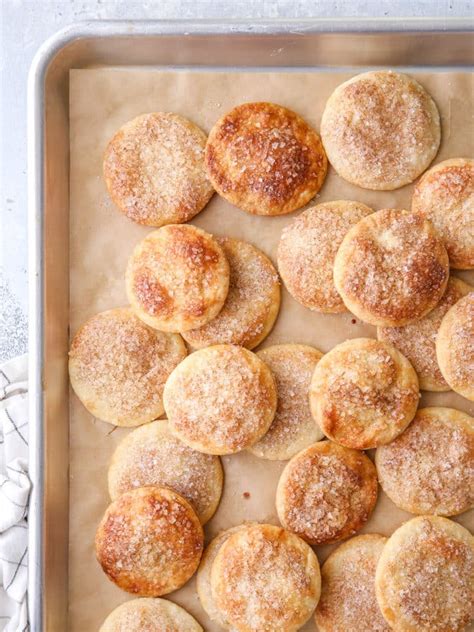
14, 492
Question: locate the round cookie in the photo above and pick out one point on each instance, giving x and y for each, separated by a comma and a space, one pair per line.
307, 249
425, 576
150, 615
293, 427
265, 159
149, 541
348, 602
455, 347
326, 493
363, 393
417, 341
152, 455
252, 304
154, 169
220, 399
391, 268
445, 196
265, 579
203, 577
428, 469
177, 278
118, 367
380, 129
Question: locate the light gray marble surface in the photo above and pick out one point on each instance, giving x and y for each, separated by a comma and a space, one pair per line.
24, 25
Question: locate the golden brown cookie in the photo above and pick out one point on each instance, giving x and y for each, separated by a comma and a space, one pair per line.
326, 492
118, 367
425, 576
177, 278
150, 615
293, 427
363, 393
348, 602
252, 304
417, 341
391, 268
307, 249
152, 455
149, 541
154, 169
429, 468
265, 579
380, 129
203, 577
445, 196
221, 399
455, 347
265, 159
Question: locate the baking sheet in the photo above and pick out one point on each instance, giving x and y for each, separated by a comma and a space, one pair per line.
101, 239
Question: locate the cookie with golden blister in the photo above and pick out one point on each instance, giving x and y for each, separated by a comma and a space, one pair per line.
252, 304
265, 159
380, 129
150, 615
348, 602
265, 579
152, 455
417, 341
326, 493
455, 347
425, 576
154, 169
221, 399
445, 196
177, 278
293, 427
363, 393
306, 252
391, 268
118, 367
149, 541
429, 468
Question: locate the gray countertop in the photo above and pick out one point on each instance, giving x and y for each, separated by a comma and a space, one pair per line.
24, 25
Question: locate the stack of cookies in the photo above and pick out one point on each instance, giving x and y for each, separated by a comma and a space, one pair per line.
199, 306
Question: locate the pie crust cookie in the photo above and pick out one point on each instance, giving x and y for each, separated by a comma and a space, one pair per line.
265, 159
150, 615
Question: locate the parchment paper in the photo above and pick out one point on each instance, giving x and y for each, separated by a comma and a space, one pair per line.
101, 240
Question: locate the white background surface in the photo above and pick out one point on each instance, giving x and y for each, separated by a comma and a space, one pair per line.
24, 25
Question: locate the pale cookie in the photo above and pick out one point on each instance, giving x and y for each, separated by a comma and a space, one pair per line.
326, 493
152, 455
293, 428
154, 169
149, 541
220, 399
445, 196
417, 341
203, 577
391, 268
348, 602
265, 579
177, 278
118, 367
429, 468
252, 304
150, 615
380, 129
363, 393
265, 159
307, 249
455, 347
425, 576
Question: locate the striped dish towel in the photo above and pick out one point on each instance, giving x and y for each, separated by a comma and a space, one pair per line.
14, 492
